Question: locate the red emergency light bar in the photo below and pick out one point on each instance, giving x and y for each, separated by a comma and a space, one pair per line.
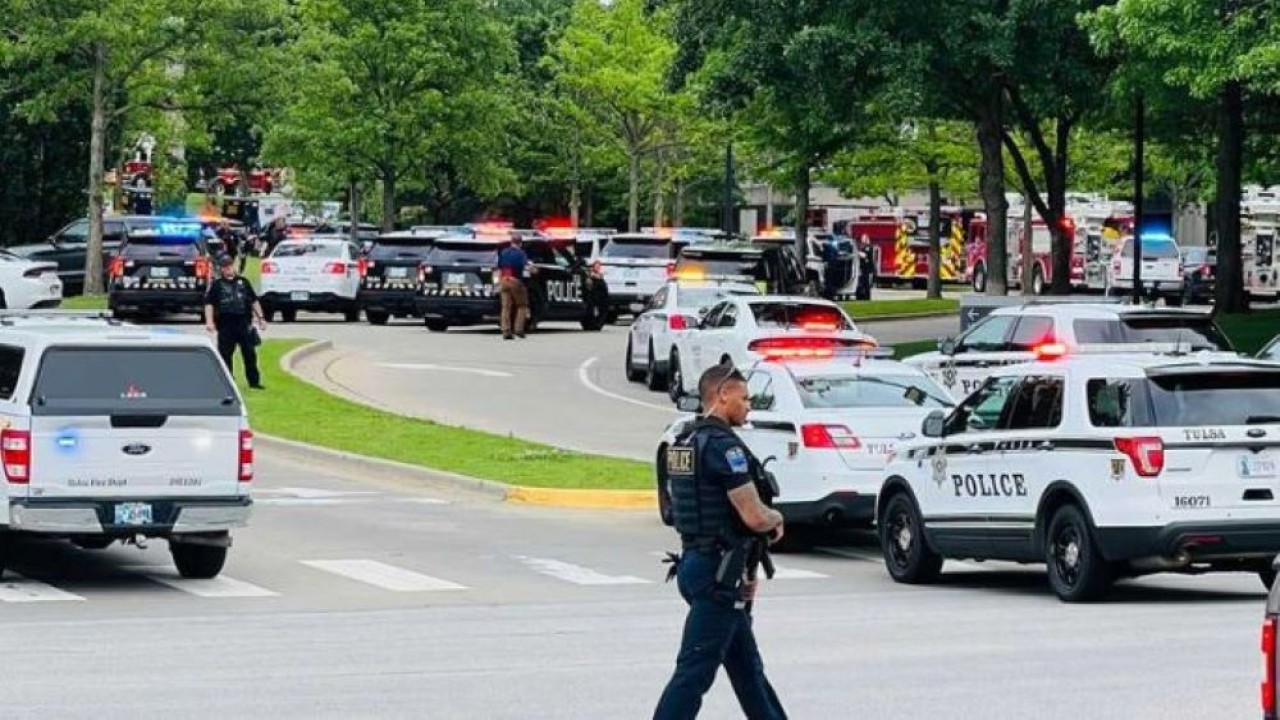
802, 347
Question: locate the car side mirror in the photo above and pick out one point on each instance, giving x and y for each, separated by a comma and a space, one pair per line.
934, 424
761, 402
947, 346
689, 404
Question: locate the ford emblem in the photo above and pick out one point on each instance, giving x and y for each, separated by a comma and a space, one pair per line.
1256, 433
136, 449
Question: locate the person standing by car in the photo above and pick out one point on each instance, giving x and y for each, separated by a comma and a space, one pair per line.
231, 308
512, 262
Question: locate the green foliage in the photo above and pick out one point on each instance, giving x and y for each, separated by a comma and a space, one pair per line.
896, 157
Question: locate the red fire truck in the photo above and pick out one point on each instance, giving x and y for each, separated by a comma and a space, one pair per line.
260, 181
900, 245
1035, 239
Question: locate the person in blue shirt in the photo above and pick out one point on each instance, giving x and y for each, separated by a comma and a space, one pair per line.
512, 291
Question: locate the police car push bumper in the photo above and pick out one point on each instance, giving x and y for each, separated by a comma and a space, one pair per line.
159, 516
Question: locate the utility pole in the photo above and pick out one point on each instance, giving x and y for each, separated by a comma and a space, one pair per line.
727, 220
1139, 142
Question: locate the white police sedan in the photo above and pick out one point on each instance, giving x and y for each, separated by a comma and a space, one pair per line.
676, 308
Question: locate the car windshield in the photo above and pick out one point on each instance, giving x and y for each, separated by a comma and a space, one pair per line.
866, 391
742, 266
401, 248
1153, 249
706, 297
655, 249
1220, 397
299, 249
463, 253
799, 315
1196, 332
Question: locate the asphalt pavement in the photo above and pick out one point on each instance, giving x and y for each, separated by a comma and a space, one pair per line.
378, 596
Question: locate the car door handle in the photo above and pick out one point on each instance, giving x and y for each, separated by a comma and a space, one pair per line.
975, 449
1046, 446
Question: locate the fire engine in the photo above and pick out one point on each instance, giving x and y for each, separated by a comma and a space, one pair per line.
900, 244
1260, 219
260, 181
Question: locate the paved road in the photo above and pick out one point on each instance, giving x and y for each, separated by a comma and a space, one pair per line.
560, 386
376, 597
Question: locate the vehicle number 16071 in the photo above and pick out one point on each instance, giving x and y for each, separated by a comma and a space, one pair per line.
1186, 502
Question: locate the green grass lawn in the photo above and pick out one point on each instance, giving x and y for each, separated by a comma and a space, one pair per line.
889, 308
1250, 331
915, 347
296, 410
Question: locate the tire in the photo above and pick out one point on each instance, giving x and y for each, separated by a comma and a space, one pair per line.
436, 325
377, 317
595, 319
907, 556
1173, 301
1037, 281
269, 314
675, 376
1077, 572
197, 561
92, 542
633, 375
611, 317
351, 314
289, 315
4, 303
653, 379
980, 279
6, 550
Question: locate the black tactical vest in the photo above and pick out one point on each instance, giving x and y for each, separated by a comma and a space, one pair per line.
700, 506
233, 301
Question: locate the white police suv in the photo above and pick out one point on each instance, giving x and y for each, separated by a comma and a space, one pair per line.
676, 308
826, 427
113, 432
1101, 466
1010, 336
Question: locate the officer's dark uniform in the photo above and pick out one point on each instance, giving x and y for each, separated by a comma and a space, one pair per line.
232, 302
703, 465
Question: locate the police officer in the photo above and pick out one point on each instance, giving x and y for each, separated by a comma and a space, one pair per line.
512, 290
230, 308
716, 506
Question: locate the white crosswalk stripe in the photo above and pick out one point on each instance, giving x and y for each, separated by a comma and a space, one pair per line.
18, 589
790, 573
218, 587
577, 574
387, 577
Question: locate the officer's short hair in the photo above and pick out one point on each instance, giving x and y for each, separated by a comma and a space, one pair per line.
716, 377
225, 260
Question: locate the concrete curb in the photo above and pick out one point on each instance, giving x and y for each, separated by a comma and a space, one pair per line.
547, 497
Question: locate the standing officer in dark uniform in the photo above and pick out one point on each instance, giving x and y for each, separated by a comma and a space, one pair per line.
716, 506
230, 309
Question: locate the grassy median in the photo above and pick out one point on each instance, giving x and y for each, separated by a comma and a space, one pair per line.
896, 308
1250, 331
297, 410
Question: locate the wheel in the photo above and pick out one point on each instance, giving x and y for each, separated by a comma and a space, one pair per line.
1077, 572
595, 319
611, 317
4, 304
633, 375
92, 542
1037, 281
1173, 300
907, 556
377, 317
675, 377
351, 314
6, 550
980, 279
269, 314
436, 324
289, 315
197, 561
652, 378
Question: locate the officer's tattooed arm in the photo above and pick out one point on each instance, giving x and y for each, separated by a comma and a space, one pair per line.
754, 513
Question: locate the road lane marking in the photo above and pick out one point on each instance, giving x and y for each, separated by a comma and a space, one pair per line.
790, 573
427, 501
446, 368
311, 493
21, 589
387, 577
218, 587
868, 556
577, 574
585, 378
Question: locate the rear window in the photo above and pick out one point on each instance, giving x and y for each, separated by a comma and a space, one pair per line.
401, 249
1152, 249
798, 315
102, 381
907, 391
1216, 397
1197, 333
655, 249
154, 249
320, 250
705, 297
723, 266
463, 253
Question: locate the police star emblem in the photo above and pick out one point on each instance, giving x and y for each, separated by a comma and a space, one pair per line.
938, 463
949, 375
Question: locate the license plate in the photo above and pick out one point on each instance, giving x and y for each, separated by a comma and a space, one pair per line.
133, 514
1262, 465
398, 272
299, 296
631, 272
455, 278
637, 307
159, 272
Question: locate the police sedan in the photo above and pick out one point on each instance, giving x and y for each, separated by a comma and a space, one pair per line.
320, 273
742, 329
1010, 335
826, 426
676, 308
1101, 466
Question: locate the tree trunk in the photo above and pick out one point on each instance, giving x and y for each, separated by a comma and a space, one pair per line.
97, 150
388, 199
1231, 296
588, 208
575, 202
935, 232
802, 212
1063, 242
353, 190
677, 211
659, 201
991, 182
1026, 249
633, 193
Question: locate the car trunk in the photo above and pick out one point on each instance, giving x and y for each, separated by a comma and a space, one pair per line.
392, 265
461, 268
878, 432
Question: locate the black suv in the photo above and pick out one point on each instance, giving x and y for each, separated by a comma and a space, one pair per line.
460, 284
775, 269
389, 274
68, 247
164, 268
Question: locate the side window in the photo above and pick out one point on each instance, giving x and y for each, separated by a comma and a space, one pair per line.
1111, 403
659, 299
76, 232
1037, 403
10, 369
987, 336
981, 410
1032, 330
729, 317
713, 315
760, 391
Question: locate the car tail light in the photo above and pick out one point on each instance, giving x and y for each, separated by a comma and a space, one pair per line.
117, 267
36, 272
1269, 667
802, 347
671, 268
1050, 350
202, 268
362, 266
15, 453
269, 268
246, 456
335, 268
829, 437
1145, 453
678, 322
423, 272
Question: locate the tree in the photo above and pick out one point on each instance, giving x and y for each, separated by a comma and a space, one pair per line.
612, 61
382, 89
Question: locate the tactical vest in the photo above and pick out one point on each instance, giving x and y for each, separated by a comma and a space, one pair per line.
701, 509
233, 301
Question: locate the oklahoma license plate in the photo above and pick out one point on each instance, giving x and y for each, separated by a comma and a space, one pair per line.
455, 279
133, 513
398, 272
159, 272
299, 295
1261, 465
